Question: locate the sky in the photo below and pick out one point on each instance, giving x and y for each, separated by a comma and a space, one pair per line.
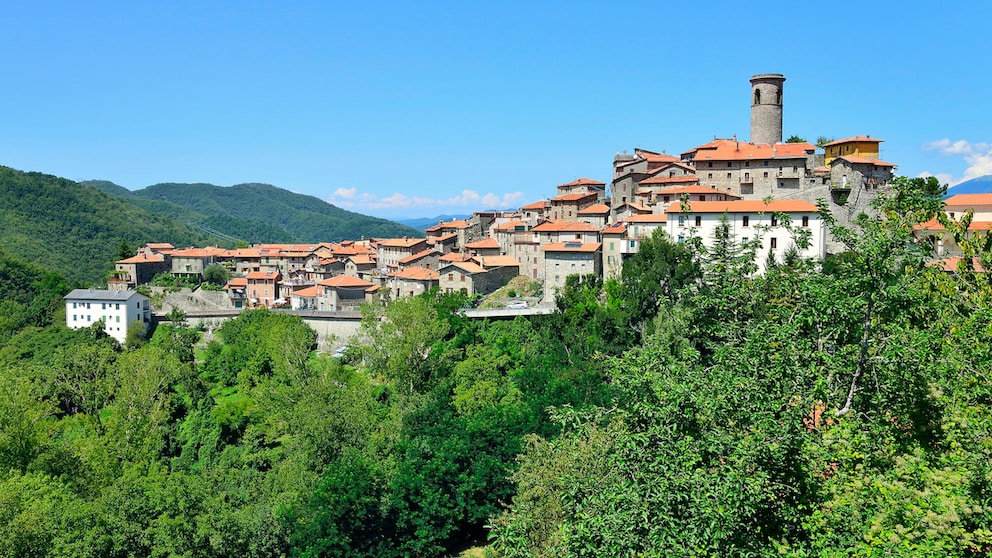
416, 109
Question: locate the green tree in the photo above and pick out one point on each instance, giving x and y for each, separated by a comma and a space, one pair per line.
216, 274
795, 139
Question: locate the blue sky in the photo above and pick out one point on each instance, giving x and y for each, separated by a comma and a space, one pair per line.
408, 109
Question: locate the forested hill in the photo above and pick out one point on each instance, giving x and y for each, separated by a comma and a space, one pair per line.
74, 228
259, 212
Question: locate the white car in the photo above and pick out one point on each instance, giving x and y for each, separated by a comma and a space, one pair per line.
518, 305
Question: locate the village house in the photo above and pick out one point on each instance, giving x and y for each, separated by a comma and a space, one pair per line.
616, 247
487, 247
304, 299
865, 147
567, 207
428, 258
596, 215
956, 207
471, 278
562, 259
343, 292
263, 288
117, 310
752, 220
413, 281
392, 250
138, 270
190, 262
361, 266
534, 213
237, 291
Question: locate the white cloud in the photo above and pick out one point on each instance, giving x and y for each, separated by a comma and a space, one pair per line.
345, 193
978, 157
467, 200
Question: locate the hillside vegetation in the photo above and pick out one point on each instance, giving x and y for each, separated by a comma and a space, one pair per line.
259, 213
75, 228
691, 409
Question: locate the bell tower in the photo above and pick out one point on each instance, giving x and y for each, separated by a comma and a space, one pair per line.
766, 108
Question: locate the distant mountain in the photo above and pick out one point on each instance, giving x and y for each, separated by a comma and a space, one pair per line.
75, 229
258, 212
980, 185
423, 223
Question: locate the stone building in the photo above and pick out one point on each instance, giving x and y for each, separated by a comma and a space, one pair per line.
766, 108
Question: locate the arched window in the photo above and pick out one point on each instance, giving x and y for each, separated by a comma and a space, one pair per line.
757, 96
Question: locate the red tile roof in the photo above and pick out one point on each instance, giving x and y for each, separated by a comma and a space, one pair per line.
583, 182
418, 256
467, 266
345, 281
497, 261
968, 200
616, 228
543, 204
264, 275
734, 150
745, 206
362, 259
141, 258
573, 197
595, 209
237, 282
454, 257
953, 264
309, 292
417, 274
484, 244
572, 247
511, 226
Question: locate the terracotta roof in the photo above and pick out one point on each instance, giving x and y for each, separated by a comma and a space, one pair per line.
862, 161
442, 238
572, 247
735, 150
667, 166
401, 242
362, 259
497, 261
417, 273
265, 275
559, 226
454, 224
862, 139
583, 182
595, 209
454, 257
573, 197
745, 206
486, 243
693, 189
952, 264
468, 267
511, 226
159, 246
969, 200
344, 281
418, 256
671, 179
237, 282
242, 253
648, 218
657, 157
543, 204
141, 258
309, 292
934, 225
207, 252
615, 228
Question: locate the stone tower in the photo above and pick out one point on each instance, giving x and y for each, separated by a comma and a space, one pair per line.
766, 108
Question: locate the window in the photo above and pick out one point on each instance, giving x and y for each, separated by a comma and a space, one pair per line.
728, 164
805, 220
766, 174
774, 221
118, 319
773, 243
681, 220
74, 304
747, 163
710, 164
699, 220
681, 239
611, 246
117, 306
728, 175
463, 278
745, 220
766, 163
709, 175
744, 240
451, 277
73, 317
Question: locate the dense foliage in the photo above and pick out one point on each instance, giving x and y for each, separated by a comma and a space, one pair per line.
688, 410
74, 228
259, 213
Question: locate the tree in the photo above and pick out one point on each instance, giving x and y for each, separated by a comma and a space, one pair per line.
656, 275
795, 139
216, 274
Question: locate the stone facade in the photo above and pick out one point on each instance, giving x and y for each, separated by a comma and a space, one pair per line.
766, 108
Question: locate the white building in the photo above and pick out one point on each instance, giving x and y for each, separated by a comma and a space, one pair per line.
751, 220
117, 309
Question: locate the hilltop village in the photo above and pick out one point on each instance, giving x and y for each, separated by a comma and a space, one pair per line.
765, 189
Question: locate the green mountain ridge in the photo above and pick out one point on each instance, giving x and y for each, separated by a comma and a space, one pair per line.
257, 212
74, 228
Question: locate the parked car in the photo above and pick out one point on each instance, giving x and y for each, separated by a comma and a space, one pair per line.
518, 305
